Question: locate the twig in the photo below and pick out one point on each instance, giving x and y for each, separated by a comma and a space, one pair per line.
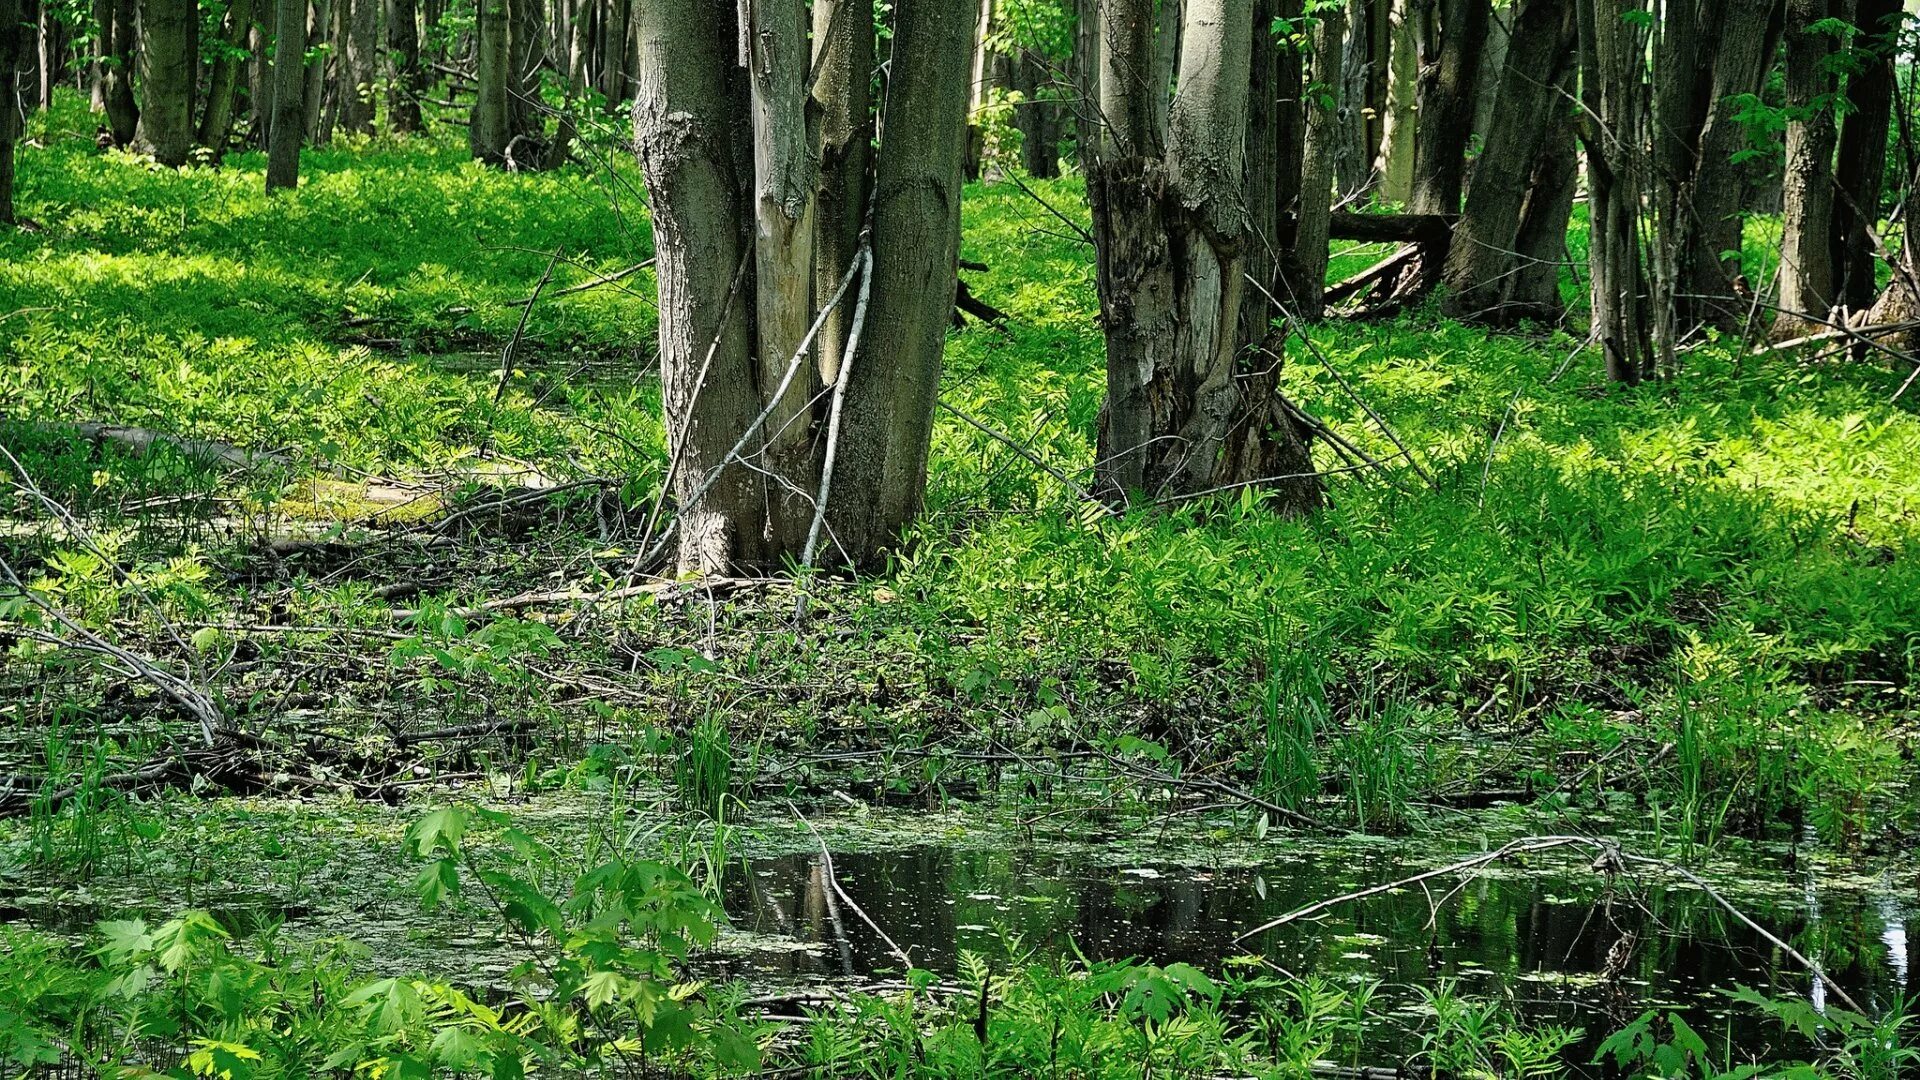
845, 376
1032, 457
826, 859
520, 329
598, 280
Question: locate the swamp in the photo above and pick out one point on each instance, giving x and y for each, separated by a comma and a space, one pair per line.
1005, 538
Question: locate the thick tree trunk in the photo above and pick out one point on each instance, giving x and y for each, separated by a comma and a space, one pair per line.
169, 53
685, 119
1037, 117
1308, 273
1452, 42
888, 423
1861, 172
216, 122
403, 51
492, 116
1706, 287
1542, 239
289, 93
1486, 80
1353, 160
117, 62
1171, 239
1807, 226
359, 68
527, 46
1484, 257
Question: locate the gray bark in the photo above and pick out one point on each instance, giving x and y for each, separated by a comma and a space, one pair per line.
403, 51
1402, 79
359, 68
1452, 43
1613, 93
888, 425
1807, 228
843, 43
1484, 256
118, 54
169, 54
492, 117
1741, 54
216, 122
289, 93
1860, 175
1317, 173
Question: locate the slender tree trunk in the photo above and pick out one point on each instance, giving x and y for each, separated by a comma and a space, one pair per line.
1353, 159
12, 50
843, 47
1260, 188
616, 83
1484, 257
1037, 116
1450, 66
1309, 275
216, 122
1612, 47
1899, 302
1086, 65
359, 69
403, 49
117, 62
1397, 133
1807, 228
260, 78
289, 93
1861, 172
314, 96
169, 52
980, 85
527, 41
492, 126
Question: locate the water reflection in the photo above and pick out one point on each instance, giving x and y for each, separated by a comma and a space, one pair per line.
1568, 948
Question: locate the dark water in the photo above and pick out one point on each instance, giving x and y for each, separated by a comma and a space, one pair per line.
1558, 943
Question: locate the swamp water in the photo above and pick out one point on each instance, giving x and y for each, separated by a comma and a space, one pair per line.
1554, 941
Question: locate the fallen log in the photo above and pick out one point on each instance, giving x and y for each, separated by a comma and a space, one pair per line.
143, 440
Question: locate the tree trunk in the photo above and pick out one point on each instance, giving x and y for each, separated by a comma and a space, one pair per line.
1807, 227
289, 93
888, 425
12, 47
1484, 259
1171, 242
616, 81
1037, 117
314, 96
492, 116
359, 68
843, 44
403, 50
1861, 172
1397, 133
1706, 287
169, 53
527, 45
1309, 272
729, 210
1353, 161
1611, 48
1542, 239
1449, 68
1900, 301
1086, 65
980, 83
216, 122
1260, 189
117, 61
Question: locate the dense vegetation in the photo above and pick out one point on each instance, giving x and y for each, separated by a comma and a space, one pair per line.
353, 721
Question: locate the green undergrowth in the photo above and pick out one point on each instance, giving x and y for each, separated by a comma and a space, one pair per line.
1700, 594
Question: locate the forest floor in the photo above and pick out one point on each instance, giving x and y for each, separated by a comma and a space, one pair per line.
1684, 617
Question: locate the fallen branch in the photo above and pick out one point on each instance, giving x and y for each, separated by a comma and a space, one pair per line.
143, 440
826, 861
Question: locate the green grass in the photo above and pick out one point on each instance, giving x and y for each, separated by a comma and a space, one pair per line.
1591, 568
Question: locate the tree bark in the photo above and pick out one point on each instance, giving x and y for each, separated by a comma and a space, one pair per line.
1037, 117
1403, 75
1900, 301
1484, 256
1807, 226
359, 68
319, 31
1611, 49
1353, 160
1740, 58
1860, 174
216, 122
1309, 272
169, 53
1449, 70
1542, 238
527, 46
117, 61
1171, 243
492, 116
289, 93
980, 83
843, 46
12, 47
403, 49
888, 425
